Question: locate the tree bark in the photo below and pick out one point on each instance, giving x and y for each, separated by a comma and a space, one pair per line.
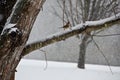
12, 76
83, 46
11, 47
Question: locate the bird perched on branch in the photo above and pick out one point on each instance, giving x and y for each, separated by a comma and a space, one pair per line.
66, 26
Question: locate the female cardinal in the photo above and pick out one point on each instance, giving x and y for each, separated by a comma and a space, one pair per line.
66, 26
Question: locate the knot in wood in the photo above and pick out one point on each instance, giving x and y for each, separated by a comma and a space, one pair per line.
12, 35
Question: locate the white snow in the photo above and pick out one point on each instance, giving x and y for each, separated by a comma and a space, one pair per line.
34, 70
102, 21
13, 30
9, 26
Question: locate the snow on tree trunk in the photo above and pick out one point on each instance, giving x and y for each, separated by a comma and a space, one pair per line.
13, 39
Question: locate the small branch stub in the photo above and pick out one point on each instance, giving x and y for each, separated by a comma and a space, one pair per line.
11, 35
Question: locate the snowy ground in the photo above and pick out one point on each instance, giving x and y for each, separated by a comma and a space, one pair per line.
36, 70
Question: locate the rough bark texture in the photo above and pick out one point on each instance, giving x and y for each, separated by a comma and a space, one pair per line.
11, 48
5, 11
12, 76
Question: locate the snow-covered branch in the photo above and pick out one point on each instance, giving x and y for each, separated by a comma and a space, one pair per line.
80, 28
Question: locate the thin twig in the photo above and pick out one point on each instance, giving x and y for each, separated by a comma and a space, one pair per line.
108, 35
63, 11
113, 9
54, 12
45, 58
102, 53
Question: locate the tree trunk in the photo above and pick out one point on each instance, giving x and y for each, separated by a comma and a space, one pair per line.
83, 46
13, 76
12, 44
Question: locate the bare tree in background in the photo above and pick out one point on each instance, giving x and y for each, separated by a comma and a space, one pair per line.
80, 11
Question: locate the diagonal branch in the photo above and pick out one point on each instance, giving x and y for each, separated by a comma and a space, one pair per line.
80, 28
107, 35
108, 63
